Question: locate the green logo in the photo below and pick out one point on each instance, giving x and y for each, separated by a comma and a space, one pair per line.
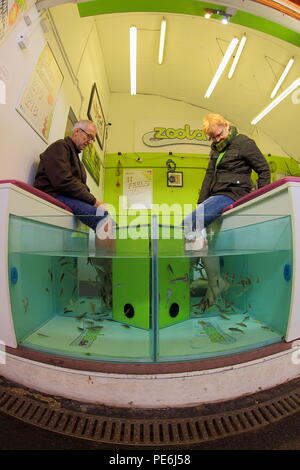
162, 136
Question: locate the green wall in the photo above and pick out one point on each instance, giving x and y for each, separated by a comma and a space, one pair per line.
193, 167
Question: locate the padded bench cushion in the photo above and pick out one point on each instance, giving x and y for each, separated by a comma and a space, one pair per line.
37, 192
260, 191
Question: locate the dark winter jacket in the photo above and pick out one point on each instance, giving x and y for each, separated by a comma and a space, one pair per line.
232, 177
60, 172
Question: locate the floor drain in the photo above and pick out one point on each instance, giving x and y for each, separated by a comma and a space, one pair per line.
148, 432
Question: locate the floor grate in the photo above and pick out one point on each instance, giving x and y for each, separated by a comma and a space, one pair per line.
148, 432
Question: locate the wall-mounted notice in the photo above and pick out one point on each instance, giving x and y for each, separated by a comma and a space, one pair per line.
39, 97
137, 186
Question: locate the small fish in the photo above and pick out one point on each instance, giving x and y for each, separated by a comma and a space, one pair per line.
170, 269
82, 315
46, 289
125, 326
79, 328
236, 329
61, 277
93, 306
223, 316
42, 334
74, 289
50, 274
240, 293
246, 318
61, 291
267, 328
68, 311
250, 306
179, 279
203, 323
241, 324
82, 302
73, 272
25, 304
66, 262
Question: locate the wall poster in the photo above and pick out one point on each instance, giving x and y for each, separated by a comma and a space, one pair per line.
95, 114
137, 186
38, 99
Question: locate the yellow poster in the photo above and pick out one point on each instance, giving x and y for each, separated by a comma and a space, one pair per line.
39, 97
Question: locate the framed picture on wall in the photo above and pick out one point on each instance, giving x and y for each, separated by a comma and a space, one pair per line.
71, 121
95, 114
91, 161
175, 179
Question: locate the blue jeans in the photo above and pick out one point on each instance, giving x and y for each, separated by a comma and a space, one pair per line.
206, 213
85, 212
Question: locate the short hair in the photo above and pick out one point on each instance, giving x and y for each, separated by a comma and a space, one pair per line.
213, 120
83, 124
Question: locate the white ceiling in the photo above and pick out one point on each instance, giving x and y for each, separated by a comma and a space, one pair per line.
193, 51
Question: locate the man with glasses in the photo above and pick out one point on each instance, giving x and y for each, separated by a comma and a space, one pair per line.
232, 158
61, 174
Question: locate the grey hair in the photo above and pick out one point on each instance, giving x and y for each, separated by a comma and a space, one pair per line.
83, 124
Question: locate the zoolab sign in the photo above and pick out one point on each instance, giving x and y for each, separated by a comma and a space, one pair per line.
169, 135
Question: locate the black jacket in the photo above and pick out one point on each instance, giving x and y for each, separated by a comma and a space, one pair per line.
60, 172
232, 177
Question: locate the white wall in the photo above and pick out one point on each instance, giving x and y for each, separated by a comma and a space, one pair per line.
128, 114
20, 144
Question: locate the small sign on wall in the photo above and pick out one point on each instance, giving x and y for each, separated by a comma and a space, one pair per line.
137, 187
38, 99
175, 179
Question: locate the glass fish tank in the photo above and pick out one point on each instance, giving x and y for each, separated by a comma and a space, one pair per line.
150, 299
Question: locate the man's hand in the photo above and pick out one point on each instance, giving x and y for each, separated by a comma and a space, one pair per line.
99, 204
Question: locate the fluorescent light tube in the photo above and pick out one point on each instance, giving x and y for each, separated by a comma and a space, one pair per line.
237, 56
133, 48
162, 38
221, 67
277, 100
283, 75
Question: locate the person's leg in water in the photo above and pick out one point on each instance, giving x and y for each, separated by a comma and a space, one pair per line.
204, 215
101, 222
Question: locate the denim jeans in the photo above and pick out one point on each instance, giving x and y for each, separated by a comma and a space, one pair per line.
205, 213
85, 212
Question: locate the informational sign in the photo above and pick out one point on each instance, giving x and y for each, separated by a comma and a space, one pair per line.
137, 187
39, 96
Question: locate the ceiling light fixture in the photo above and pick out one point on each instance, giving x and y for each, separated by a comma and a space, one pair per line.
162, 38
133, 49
221, 67
208, 12
283, 75
237, 56
277, 100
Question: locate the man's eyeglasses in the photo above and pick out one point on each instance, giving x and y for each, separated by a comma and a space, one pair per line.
89, 136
